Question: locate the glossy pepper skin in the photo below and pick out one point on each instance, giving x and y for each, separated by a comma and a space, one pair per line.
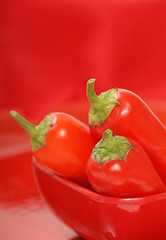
119, 167
61, 143
126, 114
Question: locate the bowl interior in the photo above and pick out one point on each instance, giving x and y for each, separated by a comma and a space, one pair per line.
99, 217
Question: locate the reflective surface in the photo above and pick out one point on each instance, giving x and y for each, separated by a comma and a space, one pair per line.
97, 217
24, 214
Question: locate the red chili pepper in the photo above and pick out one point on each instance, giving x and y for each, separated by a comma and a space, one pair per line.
61, 143
120, 167
126, 114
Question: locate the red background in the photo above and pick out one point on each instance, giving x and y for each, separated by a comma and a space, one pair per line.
49, 49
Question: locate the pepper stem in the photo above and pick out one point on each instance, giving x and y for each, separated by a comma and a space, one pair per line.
92, 97
107, 135
30, 128
101, 105
111, 147
37, 133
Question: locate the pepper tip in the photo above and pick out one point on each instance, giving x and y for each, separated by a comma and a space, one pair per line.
13, 113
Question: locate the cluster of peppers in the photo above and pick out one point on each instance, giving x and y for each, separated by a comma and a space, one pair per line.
122, 153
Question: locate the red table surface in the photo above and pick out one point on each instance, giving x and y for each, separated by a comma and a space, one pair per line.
23, 213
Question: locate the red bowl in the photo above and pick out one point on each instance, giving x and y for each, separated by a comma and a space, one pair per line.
97, 217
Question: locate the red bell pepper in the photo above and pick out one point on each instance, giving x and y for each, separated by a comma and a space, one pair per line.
126, 114
120, 167
61, 143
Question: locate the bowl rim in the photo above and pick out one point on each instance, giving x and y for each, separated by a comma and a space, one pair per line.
94, 195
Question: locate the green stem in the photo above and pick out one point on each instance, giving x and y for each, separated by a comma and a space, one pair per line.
92, 97
37, 133
107, 135
111, 147
101, 105
30, 128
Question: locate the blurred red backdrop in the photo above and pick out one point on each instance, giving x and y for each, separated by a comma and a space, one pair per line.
49, 49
